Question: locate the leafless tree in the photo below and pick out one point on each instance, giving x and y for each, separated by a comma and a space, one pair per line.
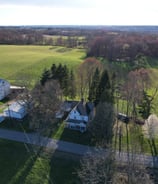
96, 169
85, 73
45, 101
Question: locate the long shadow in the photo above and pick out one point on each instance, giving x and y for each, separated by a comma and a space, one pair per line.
24, 171
13, 158
64, 168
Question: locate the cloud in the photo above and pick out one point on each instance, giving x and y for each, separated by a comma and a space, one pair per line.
50, 3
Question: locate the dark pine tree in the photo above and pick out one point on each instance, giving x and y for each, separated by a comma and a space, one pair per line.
65, 80
45, 77
53, 71
72, 86
94, 86
59, 73
145, 106
104, 91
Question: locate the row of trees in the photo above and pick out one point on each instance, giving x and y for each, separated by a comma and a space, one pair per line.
38, 37
64, 76
130, 95
123, 46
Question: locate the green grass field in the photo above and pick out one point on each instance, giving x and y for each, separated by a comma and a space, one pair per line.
28, 62
18, 166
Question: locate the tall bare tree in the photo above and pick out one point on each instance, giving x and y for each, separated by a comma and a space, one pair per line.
85, 74
45, 101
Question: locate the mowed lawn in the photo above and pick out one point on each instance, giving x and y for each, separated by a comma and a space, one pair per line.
20, 165
28, 62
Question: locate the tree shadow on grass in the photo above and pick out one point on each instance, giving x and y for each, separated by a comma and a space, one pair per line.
23, 172
15, 162
64, 168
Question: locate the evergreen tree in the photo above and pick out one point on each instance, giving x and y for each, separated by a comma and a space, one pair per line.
104, 91
94, 86
59, 73
145, 106
65, 80
45, 77
102, 125
53, 71
72, 86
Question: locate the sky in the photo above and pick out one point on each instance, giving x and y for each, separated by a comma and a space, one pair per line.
78, 12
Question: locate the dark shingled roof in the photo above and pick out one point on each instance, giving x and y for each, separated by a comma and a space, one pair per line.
81, 108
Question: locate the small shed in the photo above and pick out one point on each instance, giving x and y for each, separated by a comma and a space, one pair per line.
150, 127
4, 88
16, 110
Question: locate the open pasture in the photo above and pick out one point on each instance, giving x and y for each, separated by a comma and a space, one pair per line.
28, 62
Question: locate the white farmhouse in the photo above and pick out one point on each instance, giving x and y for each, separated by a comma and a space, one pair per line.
79, 116
16, 110
4, 88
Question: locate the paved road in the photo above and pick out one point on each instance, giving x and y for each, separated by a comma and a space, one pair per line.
35, 139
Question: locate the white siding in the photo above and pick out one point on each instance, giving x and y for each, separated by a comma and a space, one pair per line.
16, 110
74, 114
74, 126
4, 88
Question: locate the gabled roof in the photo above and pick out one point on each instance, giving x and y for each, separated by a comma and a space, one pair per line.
84, 108
69, 104
81, 108
18, 106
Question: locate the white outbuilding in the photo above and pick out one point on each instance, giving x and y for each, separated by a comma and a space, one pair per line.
150, 127
4, 88
16, 110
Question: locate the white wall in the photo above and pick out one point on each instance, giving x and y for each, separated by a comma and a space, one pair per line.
74, 114
4, 89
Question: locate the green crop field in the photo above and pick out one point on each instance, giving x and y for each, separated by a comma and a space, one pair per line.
27, 62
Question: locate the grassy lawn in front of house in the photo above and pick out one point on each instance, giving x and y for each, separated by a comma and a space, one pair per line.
74, 136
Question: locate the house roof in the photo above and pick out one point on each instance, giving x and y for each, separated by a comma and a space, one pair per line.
81, 108
68, 105
18, 106
84, 108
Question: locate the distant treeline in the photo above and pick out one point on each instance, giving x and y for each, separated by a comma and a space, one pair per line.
110, 44
123, 46
37, 36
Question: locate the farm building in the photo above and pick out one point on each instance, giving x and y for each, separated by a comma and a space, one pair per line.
16, 110
4, 88
150, 128
79, 116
